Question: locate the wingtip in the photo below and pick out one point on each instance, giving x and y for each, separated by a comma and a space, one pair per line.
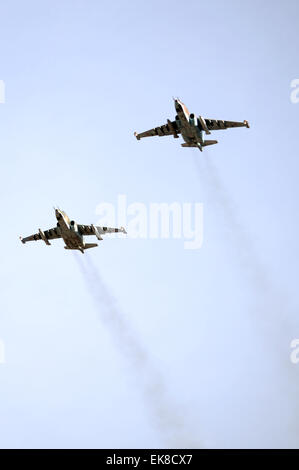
136, 135
123, 230
247, 124
22, 240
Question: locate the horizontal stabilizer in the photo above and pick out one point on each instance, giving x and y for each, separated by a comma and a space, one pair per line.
209, 142
189, 145
89, 245
85, 247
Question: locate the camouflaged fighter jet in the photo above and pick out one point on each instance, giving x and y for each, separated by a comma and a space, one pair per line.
191, 127
71, 233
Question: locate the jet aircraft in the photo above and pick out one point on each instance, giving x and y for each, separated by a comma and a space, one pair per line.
191, 127
71, 233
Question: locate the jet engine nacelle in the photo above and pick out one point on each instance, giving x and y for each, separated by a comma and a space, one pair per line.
178, 121
73, 226
193, 120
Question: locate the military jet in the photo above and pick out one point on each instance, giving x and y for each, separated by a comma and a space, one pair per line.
191, 127
71, 233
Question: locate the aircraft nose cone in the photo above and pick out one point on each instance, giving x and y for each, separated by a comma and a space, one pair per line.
177, 104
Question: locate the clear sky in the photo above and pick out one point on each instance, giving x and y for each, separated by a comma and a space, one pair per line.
215, 324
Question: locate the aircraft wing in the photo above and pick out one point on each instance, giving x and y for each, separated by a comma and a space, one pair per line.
47, 235
170, 128
215, 124
98, 231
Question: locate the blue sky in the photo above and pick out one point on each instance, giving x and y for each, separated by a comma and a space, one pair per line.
216, 323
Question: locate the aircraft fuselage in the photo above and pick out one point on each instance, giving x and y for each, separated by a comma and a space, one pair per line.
188, 124
69, 232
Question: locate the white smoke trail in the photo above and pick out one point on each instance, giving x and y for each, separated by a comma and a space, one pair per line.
241, 241
165, 415
273, 311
